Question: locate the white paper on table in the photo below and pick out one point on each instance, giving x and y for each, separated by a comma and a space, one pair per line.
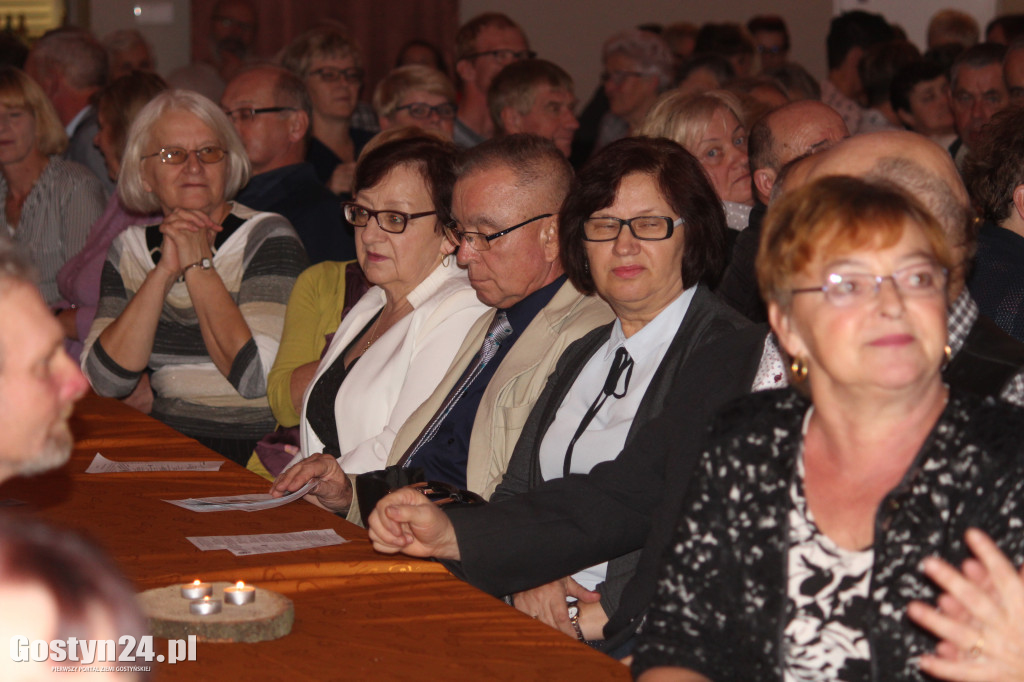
254, 502
244, 545
102, 465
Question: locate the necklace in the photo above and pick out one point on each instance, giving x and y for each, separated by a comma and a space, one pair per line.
373, 330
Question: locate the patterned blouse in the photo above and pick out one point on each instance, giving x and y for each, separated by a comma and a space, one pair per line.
722, 606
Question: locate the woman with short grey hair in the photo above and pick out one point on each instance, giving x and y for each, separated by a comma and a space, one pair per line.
193, 305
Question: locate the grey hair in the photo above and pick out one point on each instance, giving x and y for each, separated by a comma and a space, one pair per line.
76, 54
652, 53
130, 188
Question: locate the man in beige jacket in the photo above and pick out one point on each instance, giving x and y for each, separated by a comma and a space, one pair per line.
505, 207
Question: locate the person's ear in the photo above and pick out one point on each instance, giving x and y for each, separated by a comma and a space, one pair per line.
298, 124
549, 238
511, 121
1018, 201
764, 180
466, 70
785, 331
906, 118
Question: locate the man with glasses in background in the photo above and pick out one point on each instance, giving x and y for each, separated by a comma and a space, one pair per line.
505, 214
534, 96
271, 111
483, 47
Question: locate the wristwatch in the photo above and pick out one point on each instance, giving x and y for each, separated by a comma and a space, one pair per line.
202, 264
574, 619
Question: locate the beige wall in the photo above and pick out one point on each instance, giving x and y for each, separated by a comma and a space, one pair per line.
171, 41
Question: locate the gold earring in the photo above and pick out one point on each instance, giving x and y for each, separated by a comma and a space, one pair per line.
949, 355
798, 370
446, 259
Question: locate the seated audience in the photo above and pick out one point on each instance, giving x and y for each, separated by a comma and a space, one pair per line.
794, 130
798, 82
505, 202
771, 39
484, 45
127, 51
271, 110
229, 39
710, 126
422, 53
730, 41
418, 96
877, 68
70, 65
1005, 29
79, 280
329, 62
978, 93
919, 96
952, 26
642, 228
703, 72
820, 506
994, 175
55, 585
849, 35
534, 96
395, 344
39, 383
49, 203
198, 300
1013, 72
637, 68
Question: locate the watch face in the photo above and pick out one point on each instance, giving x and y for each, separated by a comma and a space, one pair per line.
574, 611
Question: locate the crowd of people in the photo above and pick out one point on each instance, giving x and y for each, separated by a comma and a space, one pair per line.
720, 373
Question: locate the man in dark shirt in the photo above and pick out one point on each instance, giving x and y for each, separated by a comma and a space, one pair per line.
271, 111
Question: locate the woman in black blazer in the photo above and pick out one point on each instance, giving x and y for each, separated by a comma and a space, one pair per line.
643, 228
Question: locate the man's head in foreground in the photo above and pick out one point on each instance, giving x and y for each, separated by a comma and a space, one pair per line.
39, 382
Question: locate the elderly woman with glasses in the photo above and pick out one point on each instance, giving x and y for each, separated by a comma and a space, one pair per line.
396, 343
330, 64
800, 545
196, 301
417, 96
643, 229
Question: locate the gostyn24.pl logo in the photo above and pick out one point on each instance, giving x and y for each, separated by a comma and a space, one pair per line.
89, 651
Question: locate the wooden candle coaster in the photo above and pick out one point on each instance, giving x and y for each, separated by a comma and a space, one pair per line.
270, 617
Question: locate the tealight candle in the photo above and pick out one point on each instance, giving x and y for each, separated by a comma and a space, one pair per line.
196, 590
240, 595
205, 607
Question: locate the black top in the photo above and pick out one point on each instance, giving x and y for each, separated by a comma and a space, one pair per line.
320, 407
324, 160
997, 281
739, 287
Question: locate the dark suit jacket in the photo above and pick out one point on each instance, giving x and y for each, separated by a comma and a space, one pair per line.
705, 320
82, 150
628, 503
738, 287
295, 192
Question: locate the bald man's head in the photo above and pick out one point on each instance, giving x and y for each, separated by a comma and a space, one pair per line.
913, 163
792, 130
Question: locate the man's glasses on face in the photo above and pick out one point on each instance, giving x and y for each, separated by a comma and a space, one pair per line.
504, 56
329, 74
482, 242
246, 114
422, 110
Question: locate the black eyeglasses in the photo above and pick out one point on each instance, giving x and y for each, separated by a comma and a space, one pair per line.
247, 114
422, 110
329, 75
175, 156
482, 242
649, 228
389, 221
855, 288
504, 56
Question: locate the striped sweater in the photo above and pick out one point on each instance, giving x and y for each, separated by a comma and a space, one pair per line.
258, 256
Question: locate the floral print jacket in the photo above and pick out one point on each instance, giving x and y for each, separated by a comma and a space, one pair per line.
722, 605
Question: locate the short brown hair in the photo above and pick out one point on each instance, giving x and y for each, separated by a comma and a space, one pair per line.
121, 101
515, 86
325, 41
465, 39
834, 215
996, 168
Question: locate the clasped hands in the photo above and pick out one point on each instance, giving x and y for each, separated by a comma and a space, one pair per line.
188, 238
980, 617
